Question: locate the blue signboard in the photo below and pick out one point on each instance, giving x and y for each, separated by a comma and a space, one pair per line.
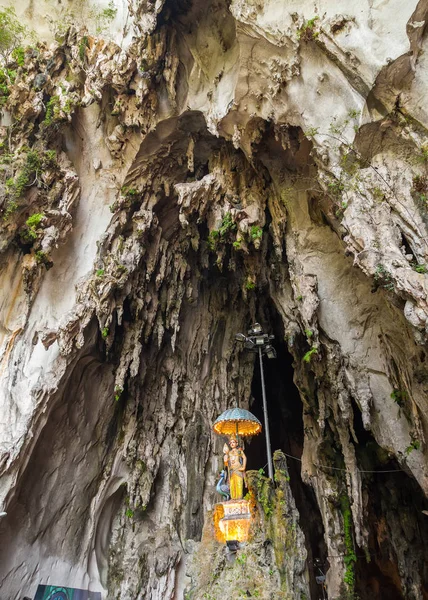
55, 592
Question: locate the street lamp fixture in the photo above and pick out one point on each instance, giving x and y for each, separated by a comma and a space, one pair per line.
260, 343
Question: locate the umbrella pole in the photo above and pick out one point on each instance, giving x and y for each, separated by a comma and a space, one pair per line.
266, 418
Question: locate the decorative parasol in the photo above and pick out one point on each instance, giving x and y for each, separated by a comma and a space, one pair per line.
237, 421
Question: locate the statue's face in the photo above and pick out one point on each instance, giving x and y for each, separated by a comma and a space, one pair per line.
233, 443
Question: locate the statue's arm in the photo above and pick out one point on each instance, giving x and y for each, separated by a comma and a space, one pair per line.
226, 454
244, 462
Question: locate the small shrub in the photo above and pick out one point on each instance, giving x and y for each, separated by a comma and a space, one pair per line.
308, 31
84, 43
336, 187
354, 114
420, 268
104, 17
250, 284
399, 397
105, 332
100, 273
29, 233
213, 239
25, 177
378, 194
126, 191
50, 158
43, 259
308, 356
18, 55
12, 33
383, 278
422, 157
53, 108
414, 445
256, 232
312, 132
34, 220
227, 224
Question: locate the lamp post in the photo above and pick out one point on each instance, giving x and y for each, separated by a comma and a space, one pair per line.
260, 343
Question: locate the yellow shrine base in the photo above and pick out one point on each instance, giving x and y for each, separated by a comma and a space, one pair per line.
232, 521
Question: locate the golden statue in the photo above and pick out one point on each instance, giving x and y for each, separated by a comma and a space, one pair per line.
236, 461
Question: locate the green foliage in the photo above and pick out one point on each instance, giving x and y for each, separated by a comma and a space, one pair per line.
350, 558
126, 191
18, 55
7, 78
308, 356
117, 392
422, 157
250, 284
336, 187
281, 475
86, 15
105, 332
378, 194
354, 114
84, 43
309, 333
256, 232
237, 244
100, 273
53, 110
129, 513
414, 445
299, 298
27, 176
399, 397
312, 132
340, 211
241, 559
217, 235
383, 278
227, 224
104, 17
213, 239
263, 494
349, 162
308, 30
50, 158
420, 191
29, 233
43, 259
12, 33
420, 268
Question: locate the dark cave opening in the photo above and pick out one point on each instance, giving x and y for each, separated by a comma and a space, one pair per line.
286, 431
395, 519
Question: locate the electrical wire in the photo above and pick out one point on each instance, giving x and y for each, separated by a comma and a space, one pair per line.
346, 470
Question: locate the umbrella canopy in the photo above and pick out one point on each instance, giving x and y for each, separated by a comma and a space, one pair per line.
237, 421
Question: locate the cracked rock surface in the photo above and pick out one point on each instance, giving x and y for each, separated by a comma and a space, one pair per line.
165, 181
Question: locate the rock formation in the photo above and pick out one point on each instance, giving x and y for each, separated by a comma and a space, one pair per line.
172, 171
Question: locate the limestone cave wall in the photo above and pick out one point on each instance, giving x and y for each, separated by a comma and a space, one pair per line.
171, 172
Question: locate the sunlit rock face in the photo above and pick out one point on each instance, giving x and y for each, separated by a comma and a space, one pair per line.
171, 174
